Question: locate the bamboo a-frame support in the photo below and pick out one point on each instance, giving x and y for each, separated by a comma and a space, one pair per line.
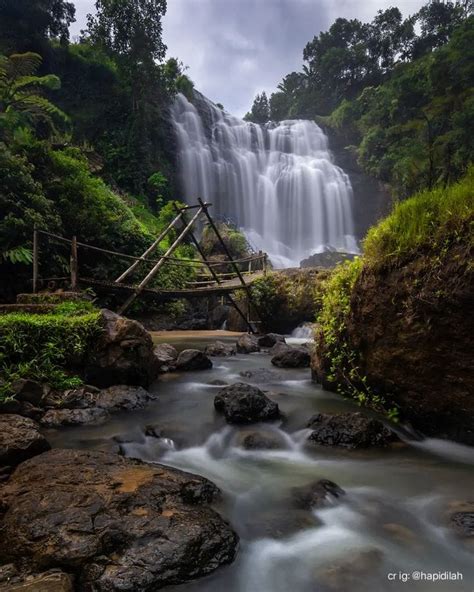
186, 230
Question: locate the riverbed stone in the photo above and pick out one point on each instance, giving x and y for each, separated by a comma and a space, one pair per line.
20, 439
220, 349
262, 375
316, 494
118, 524
242, 403
55, 418
53, 580
166, 354
193, 359
123, 354
28, 390
123, 397
292, 357
247, 344
348, 430
270, 339
259, 440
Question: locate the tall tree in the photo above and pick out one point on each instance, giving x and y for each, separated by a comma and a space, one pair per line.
25, 25
260, 111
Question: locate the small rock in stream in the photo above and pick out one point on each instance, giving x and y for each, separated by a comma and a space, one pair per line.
242, 403
193, 359
247, 344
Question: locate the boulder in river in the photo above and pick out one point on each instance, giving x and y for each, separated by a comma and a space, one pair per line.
262, 375
116, 523
123, 354
123, 397
242, 403
292, 357
220, 349
247, 344
270, 339
55, 418
166, 355
349, 430
193, 359
316, 494
20, 439
260, 440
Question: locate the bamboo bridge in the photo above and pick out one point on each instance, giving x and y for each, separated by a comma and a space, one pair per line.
209, 278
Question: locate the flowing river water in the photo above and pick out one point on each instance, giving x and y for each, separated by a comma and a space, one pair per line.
392, 519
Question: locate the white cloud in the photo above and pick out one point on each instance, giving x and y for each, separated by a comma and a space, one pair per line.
236, 48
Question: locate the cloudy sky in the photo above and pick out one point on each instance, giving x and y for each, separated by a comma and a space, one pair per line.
237, 48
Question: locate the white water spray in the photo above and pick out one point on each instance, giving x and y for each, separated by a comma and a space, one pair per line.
278, 182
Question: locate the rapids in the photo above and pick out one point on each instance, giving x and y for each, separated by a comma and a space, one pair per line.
277, 182
392, 519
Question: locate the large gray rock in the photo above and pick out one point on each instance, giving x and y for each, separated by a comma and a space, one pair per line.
241, 403
270, 339
292, 357
349, 430
166, 355
247, 344
193, 359
20, 439
220, 349
123, 354
85, 407
117, 524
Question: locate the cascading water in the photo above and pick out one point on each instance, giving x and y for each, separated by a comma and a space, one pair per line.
276, 182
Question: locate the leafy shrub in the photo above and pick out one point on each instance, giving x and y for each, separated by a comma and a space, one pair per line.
45, 347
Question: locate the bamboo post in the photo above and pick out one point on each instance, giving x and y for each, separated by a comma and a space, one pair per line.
35, 259
73, 264
216, 277
160, 263
150, 249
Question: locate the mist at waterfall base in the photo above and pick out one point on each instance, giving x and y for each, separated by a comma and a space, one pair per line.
277, 182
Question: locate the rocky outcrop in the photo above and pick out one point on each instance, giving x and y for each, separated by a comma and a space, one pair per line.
115, 523
220, 349
192, 359
241, 403
411, 327
20, 439
292, 357
247, 344
328, 259
123, 354
348, 430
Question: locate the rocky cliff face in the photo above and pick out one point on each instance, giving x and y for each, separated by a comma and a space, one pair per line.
414, 336
372, 199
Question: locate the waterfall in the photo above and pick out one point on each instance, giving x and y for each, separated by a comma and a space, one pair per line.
277, 182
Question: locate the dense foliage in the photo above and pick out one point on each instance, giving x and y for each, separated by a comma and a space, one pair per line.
83, 138
42, 346
400, 92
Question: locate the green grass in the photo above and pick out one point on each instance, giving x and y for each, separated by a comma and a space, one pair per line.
46, 347
429, 221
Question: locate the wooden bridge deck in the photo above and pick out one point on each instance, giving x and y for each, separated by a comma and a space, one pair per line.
225, 287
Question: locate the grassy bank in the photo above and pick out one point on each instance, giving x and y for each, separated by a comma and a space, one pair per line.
46, 347
430, 232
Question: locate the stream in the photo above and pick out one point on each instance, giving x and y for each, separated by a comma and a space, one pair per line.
389, 526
